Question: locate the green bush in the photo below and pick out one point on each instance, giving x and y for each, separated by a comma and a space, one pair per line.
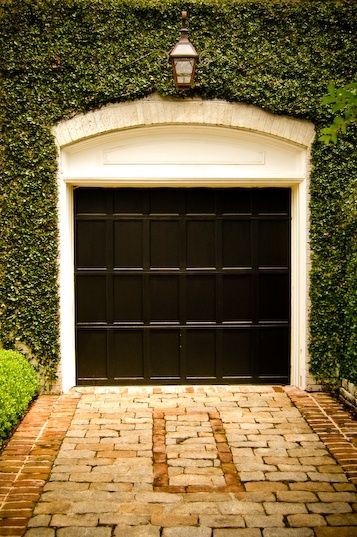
18, 386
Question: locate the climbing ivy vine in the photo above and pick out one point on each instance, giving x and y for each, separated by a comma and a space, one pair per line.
62, 57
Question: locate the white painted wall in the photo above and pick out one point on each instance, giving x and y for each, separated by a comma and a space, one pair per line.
163, 142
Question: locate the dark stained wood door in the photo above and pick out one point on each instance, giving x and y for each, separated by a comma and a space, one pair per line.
182, 285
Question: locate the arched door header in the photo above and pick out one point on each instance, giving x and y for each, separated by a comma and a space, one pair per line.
155, 110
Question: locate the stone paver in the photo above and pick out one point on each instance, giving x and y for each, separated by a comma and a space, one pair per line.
204, 461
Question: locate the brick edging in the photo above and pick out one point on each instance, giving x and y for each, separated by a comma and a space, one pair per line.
28, 457
335, 427
160, 464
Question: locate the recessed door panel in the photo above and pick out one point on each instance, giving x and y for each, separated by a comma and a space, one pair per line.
166, 201
272, 201
201, 354
91, 298
273, 243
201, 244
164, 298
237, 298
273, 297
91, 240
165, 354
237, 354
200, 201
238, 201
129, 201
128, 244
273, 347
236, 243
201, 298
91, 201
92, 354
127, 355
165, 244
128, 298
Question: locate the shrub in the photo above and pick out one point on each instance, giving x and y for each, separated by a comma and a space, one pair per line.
18, 386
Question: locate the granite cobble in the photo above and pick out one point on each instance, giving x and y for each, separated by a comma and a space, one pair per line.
247, 532
208, 461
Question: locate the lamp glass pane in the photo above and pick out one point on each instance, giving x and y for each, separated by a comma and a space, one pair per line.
184, 66
184, 69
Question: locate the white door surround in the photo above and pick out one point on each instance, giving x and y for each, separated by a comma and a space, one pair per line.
170, 142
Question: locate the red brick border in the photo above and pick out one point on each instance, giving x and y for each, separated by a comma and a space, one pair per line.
26, 461
161, 474
336, 428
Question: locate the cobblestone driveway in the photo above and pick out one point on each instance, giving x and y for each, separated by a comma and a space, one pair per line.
182, 462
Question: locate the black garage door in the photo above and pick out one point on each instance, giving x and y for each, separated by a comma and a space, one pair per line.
182, 285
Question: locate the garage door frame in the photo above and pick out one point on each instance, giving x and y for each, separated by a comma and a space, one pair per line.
298, 132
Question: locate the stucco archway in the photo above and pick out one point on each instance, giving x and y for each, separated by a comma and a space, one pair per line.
100, 148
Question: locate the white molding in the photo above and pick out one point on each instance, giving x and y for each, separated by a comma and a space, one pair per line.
291, 134
180, 180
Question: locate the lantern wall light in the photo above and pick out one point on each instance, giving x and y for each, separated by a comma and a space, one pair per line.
184, 58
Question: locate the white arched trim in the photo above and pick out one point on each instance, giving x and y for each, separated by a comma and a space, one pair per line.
170, 142
156, 110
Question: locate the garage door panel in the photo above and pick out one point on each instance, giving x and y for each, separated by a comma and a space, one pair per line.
128, 244
127, 298
92, 354
201, 244
200, 298
167, 201
91, 298
237, 202
237, 298
200, 354
91, 240
237, 354
165, 244
200, 201
92, 201
273, 297
164, 354
273, 243
129, 201
271, 201
236, 243
273, 347
164, 298
128, 344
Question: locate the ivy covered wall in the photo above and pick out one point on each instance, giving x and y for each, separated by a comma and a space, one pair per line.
62, 57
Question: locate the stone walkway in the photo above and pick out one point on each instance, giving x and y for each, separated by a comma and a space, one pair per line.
210, 461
